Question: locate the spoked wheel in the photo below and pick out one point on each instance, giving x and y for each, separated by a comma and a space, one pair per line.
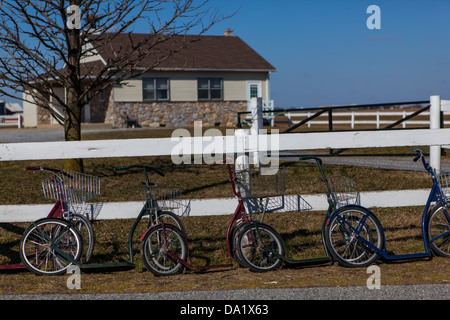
260, 247
49, 246
161, 248
438, 228
343, 233
237, 229
86, 231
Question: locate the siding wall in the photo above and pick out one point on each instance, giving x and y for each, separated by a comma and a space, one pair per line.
130, 91
183, 85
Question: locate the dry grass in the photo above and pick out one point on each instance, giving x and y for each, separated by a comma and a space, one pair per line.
300, 231
198, 181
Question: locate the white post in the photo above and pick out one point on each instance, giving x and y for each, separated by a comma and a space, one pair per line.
272, 114
435, 123
257, 125
241, 162
353, 120
378, 119
19, 121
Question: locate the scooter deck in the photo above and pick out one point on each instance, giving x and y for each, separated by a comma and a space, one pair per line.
113, 265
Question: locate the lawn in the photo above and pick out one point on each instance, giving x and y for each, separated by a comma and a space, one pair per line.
300, 231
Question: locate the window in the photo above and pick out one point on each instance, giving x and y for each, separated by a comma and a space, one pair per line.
210, 89
155, 89
253, 91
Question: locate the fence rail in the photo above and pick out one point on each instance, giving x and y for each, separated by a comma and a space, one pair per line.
11, 120
353, 118
223, 206
328, 111
215, 145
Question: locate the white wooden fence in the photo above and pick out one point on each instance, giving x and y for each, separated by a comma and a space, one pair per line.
354, 118
213, 145
212, 207
219, 145
11, 120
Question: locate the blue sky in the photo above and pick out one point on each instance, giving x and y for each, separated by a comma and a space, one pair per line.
325, 54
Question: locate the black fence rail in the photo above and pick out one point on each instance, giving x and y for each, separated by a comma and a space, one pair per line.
318, 111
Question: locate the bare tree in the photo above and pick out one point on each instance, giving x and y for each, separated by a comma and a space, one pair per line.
44, 41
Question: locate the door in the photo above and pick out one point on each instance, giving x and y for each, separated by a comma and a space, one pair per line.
253, 90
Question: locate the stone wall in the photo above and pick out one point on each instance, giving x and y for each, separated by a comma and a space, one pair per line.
159, 114
175, 114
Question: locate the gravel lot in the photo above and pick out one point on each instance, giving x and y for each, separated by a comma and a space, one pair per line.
408, 292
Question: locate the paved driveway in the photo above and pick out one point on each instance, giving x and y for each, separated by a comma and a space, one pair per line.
44, 133
398, 163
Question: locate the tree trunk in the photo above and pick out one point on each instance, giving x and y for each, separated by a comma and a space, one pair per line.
72, 129
72, 122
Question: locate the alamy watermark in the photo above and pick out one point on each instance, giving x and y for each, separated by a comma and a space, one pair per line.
374, 21
374, 280
74, 17
74, 280
212, 147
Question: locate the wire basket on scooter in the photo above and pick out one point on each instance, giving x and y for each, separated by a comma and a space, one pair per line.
76, 190
266, 193
444, 184
166, 198
253, 184
343, 191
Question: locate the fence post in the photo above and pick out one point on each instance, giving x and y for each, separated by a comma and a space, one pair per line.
435, 123
257, 125
352, 120
330, 126
241, 162
378, 119
404, 122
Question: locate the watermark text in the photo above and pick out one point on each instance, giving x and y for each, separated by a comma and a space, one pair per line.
74, 17
374, 280
74, 280
211, 147
374, 21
